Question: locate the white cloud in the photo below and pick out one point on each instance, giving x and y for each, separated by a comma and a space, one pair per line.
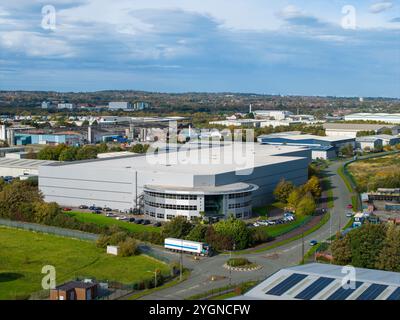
290, 12
380, 7
34, 44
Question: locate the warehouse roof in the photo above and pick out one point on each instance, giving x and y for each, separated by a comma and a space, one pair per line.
23, 163
206, 161
357, 126
317, 281
292, 136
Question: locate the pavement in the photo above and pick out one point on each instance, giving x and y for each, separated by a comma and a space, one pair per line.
271, 261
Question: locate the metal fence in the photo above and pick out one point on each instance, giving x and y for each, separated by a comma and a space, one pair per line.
49, 229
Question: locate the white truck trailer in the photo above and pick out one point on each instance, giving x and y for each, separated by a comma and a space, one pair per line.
193, 247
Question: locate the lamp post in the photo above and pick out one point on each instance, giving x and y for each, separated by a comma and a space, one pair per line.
181, 262
155, 276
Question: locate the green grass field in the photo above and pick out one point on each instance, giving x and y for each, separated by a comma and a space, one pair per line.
24, 253
107, 221
280, 229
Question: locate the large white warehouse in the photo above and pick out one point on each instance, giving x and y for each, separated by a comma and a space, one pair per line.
216, 181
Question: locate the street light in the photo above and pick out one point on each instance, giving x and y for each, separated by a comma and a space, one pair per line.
155, 276
181, 262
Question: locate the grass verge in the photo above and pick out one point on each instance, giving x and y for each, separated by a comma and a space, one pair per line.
136, 296
108, 221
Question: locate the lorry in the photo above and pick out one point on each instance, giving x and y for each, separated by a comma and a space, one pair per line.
192, 247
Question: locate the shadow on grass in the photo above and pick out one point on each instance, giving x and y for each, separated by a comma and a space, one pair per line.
10, 276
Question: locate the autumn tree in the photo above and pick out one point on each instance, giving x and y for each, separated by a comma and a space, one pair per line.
283, 190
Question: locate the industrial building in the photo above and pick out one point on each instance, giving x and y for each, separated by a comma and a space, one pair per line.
382, 117
215, 181
351, 129
21, 167
42, 137
119, 105
369, 143
316, 281
321, 147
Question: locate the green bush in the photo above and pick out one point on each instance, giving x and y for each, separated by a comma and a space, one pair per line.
238, 262
128, 248
103, 241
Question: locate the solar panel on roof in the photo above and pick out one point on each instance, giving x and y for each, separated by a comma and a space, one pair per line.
373, 291
395, 295
342, 293
286, 284
314, 288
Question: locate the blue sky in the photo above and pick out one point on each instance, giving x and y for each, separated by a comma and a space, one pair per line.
260, 46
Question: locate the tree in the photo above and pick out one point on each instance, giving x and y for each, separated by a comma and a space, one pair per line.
347, 150
341, 250
15, 194
236, 230
282, 190
306, 205
68, 154
366, 243
140, 148
44, 212
389, 257
179, 227
87, 152
314, 187
198, 233
295, 197
218, 241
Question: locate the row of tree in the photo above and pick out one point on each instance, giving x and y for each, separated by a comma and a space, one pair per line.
63, 152
223, 235
373, 246
302, 198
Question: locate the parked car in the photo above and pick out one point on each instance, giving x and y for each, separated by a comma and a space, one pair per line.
131, 220
96, 211
121, 218
83, 207
93, 208
349, 206
146, 222
98, 208
270, 222
349, 214
313, 243
110, 215
67, 209
107, 209
139, 221
157, 224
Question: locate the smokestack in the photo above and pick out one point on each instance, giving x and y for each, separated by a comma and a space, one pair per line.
90, 134
250, 108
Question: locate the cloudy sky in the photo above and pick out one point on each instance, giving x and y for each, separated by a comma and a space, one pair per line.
308, 47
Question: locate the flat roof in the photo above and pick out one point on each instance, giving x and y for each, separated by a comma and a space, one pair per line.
357, 126
317, 281
203, 161
228, 188
292, 136
24, 163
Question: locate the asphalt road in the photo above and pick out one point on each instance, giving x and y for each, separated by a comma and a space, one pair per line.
271, 260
